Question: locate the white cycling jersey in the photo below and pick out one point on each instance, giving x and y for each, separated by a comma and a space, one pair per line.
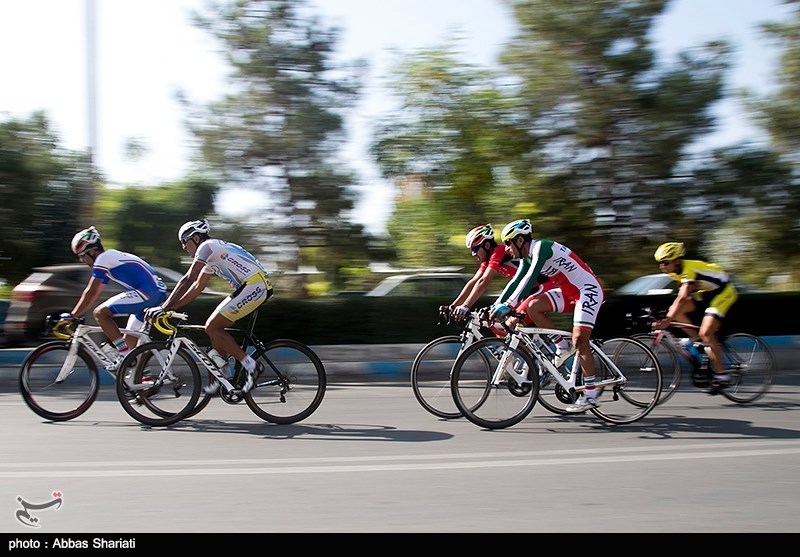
229, 261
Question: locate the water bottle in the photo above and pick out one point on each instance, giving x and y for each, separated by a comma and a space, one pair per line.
695, 350
698, 351
219, 361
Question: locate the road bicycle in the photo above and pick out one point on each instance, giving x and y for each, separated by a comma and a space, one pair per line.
166, 380
522, 373
59, 380
746, 357
433, 365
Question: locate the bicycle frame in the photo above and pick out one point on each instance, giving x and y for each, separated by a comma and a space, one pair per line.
471, 333
82, 338
176, 341
529, 336
664, 335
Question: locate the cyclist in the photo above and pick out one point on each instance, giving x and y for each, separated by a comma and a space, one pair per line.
579, 287
245, 274
145, 289
698, 278
492, 260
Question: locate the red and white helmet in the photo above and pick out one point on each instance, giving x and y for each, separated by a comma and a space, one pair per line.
85, 240
479, 235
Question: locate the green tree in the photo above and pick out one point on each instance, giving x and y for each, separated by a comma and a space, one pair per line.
159, 211
44, 193
454, 150
779, 112
279, 130
612, 126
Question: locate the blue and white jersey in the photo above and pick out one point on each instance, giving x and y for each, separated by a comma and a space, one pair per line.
229, 261
132, 272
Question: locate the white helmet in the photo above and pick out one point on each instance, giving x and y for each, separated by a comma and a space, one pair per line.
192, 227
479, 235
85, 240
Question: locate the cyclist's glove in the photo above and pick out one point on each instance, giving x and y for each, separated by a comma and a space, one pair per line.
499, 311
460, 313
153, 313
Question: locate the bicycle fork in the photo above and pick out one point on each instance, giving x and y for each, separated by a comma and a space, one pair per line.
505, 368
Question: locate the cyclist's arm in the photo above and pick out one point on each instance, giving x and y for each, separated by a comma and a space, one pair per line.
189, 287
480, 286
522, 271
541, 252
683, 297
464, 294
89, 296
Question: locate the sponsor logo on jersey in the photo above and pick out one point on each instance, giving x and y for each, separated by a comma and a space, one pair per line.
255, 294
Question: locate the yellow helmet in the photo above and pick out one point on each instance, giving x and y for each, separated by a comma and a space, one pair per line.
516, 228
670, 251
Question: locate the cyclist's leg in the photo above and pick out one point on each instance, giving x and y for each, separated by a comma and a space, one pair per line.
244, 301
712, 320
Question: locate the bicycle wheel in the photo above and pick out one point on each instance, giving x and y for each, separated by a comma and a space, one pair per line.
66, 399
670, 361
430, 376
494, 406
153, 395
291, 384
633, 400
751, 366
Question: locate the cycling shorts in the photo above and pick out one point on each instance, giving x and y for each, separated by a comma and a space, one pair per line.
250, 295
132, 303
722, 302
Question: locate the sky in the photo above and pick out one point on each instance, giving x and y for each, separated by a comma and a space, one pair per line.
147, 50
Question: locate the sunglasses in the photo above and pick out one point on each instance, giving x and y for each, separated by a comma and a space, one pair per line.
660, 263
476, 249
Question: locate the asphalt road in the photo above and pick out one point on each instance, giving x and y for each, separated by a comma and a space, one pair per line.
372, 460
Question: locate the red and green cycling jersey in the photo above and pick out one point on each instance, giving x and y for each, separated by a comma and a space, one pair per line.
565, 270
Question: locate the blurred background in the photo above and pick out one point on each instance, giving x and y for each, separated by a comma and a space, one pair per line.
572, 115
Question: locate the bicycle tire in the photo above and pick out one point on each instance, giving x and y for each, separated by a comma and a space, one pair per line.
58, 402
290, 385
152, 396
671, 363
751, 365
628, 403
487, 405
430, 376
205, 398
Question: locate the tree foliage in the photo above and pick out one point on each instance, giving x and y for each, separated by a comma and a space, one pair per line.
279, 129
587, 133
45, 195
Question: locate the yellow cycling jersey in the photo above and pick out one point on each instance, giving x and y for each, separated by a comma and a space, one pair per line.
707, 276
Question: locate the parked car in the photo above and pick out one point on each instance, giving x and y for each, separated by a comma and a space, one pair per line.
56, 289
430, 285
